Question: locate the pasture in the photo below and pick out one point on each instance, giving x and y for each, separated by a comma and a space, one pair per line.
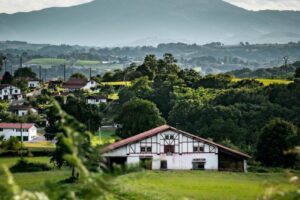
47, 61
171, 185
267, 82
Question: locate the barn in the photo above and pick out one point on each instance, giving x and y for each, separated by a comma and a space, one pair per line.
166, 147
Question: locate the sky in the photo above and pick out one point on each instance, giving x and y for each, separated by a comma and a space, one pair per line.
12, 6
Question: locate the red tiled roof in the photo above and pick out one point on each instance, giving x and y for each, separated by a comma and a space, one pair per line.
15, 125
163, 128
75, 83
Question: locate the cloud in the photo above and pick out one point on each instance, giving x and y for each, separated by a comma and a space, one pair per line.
267, 4
13, 6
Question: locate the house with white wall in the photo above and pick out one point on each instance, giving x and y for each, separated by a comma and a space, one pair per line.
21, 110
96, 99
23, 131
33, 83
10, 92
79, 84
166, 147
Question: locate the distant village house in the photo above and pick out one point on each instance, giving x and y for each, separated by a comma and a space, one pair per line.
96, 99
10, 92
166, 147
21, 110
18, 130
79, 84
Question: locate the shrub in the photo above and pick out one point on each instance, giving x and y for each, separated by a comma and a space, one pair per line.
24, 166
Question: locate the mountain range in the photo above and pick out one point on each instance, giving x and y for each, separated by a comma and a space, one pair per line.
149, 22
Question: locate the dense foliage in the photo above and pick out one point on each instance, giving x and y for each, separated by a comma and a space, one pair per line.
212, 106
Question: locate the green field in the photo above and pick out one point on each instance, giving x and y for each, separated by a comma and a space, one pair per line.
201, 184
87, 62
47, 61
267, 82
117, 83
168, 185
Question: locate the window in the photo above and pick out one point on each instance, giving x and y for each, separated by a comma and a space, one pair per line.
169, 149
16, 91
169, 137
1, 129
199, 149
146, 149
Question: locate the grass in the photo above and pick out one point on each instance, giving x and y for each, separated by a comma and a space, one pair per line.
106, 137
10, 161
201, 184
40, 145
168, 185
267, 82
47, 61
87, 62
118, 83
35, 180
114, 96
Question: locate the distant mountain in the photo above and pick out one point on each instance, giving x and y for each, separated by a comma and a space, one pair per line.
126, 22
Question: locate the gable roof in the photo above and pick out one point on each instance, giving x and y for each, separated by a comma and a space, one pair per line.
16, 125
164, 128
75, 83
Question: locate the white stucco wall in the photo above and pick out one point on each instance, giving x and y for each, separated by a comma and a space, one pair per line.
33, 84
30, 133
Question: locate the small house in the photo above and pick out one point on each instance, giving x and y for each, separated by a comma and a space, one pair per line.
21, 110
23, 131
96, 99
10, 92
33, 83
79, 84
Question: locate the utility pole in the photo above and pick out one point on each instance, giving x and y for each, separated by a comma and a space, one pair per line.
64, 72
100, 134
40, 72
21, 139
21, 62
4, 62
90, 73
286, 59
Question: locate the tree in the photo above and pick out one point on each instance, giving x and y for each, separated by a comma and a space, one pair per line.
73, 135
25, 72
78, 76
276, 138
137, 116
297, 75
7, 78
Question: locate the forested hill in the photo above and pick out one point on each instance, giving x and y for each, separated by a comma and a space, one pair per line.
283, 72
142, 22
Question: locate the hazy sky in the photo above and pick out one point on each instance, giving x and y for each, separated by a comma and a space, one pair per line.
12, 6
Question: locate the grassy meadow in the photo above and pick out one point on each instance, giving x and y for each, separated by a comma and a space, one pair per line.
47, 61
169, 185
267, 82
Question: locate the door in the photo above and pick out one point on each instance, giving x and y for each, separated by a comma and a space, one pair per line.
146, 163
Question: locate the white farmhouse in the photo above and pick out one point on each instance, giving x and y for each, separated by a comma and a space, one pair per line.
10, 92
166, 147
96, 100
79, 84
18, 130
21, 110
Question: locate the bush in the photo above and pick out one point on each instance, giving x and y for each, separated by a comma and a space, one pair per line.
24, 166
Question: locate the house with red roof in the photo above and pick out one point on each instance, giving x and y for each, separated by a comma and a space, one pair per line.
166, 147
79, 84
23, 131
